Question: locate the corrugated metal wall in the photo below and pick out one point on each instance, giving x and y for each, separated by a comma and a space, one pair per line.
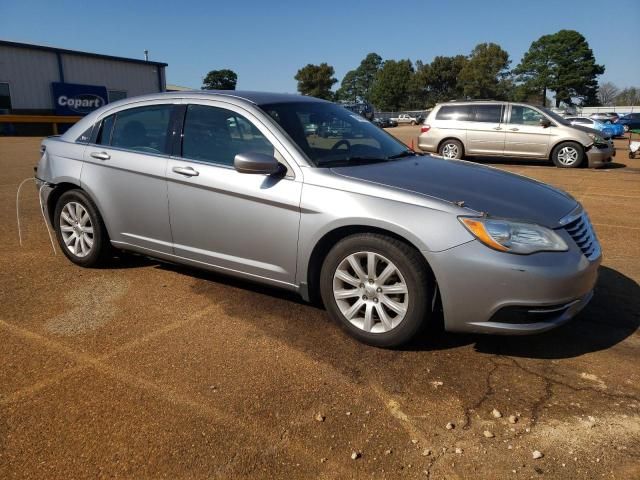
134, 78
30, 73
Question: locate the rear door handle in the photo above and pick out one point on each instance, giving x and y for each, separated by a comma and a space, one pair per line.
101, 155
186, 171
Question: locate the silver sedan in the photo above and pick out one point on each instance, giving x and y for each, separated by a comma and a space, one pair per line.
305, 195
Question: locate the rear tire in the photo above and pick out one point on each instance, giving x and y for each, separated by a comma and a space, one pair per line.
451, 149
80, 230
567, 155
385, 301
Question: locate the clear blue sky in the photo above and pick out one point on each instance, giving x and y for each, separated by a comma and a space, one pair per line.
267, 42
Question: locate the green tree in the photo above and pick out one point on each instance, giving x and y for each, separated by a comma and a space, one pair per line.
316, 80
349, 90
392, 85
563, 63
366, 74
438, 81
220, 80
356, 84
486, 73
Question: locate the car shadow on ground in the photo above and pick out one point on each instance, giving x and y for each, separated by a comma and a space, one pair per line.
612, 315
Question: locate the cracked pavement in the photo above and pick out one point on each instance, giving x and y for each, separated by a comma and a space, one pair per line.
148, 370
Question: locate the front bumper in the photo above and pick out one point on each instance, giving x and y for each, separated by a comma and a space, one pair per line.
600, 155
486, 291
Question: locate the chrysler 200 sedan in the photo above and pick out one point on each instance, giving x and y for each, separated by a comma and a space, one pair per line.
387, 238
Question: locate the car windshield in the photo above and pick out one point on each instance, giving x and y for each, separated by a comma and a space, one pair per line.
554, 116
332, 136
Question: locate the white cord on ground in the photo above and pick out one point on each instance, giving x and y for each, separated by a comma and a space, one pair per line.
46, 223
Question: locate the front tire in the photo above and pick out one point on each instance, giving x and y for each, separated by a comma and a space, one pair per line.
567, 155
80, 230
451, 149
376, 288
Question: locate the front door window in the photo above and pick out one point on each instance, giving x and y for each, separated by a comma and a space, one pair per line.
521, 115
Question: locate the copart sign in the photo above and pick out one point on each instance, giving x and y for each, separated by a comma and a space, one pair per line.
76, 99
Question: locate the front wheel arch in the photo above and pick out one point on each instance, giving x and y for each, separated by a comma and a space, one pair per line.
552, 151
329, 239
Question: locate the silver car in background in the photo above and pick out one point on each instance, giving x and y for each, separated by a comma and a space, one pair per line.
514, 130
238, 182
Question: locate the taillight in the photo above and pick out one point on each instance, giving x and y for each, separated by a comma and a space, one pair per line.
425, 128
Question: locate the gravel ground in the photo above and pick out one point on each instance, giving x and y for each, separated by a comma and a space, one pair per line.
146, 370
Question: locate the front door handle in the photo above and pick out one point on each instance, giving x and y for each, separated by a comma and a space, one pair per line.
514, 129
186, 171
101, 155
497, 128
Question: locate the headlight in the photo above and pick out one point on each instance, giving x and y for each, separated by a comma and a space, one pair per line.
597, 138
514, 237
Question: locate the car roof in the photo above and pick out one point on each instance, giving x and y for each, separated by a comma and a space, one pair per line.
257, 98
469, 102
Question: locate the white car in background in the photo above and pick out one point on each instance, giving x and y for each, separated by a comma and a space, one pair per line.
405, 119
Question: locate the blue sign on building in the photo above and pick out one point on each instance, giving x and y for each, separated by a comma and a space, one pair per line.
75, 99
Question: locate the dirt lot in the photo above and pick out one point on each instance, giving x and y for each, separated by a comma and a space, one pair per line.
144, 370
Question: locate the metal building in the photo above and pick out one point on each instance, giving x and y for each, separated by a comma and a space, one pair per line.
36, 79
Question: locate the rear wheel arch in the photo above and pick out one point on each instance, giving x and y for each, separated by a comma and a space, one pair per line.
63, 187
452, 138
55, 194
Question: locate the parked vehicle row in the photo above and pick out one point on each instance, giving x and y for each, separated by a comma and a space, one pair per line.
504, 129
630, 121
606, 127
389, 239
385, 122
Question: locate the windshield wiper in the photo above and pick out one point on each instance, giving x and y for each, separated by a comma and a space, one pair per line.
350, 161
406, 153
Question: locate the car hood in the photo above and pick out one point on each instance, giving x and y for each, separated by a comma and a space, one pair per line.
483, 189
586, 129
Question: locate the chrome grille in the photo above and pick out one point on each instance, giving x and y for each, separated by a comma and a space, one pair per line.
582, 233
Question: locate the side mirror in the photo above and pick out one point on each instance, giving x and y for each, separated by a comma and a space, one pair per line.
545, 122
257, 163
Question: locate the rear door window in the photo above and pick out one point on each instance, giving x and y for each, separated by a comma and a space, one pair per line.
487, 113
454, 112
104, 133
143, 129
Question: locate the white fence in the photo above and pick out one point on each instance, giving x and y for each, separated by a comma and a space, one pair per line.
622, 109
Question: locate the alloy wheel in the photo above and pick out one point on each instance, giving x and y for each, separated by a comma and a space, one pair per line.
76, 229
568, 156
370, 292
450, 150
